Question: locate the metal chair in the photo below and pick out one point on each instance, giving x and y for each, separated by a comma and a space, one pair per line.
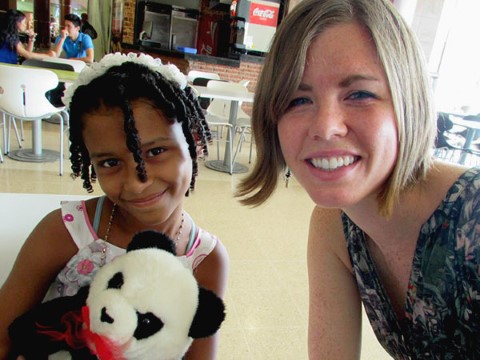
22, 96
449, 144
203, 101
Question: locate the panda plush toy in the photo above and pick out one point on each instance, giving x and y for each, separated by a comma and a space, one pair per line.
144, 304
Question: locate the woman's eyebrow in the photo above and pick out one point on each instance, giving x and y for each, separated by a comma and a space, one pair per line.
349, 80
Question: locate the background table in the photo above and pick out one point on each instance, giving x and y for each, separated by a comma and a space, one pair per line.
226, 165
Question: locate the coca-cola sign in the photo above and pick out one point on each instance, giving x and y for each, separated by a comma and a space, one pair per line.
263, 14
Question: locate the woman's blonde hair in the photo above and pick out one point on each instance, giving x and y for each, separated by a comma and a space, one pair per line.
403, 62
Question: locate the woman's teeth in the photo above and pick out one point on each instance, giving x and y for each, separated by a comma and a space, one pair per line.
333, 162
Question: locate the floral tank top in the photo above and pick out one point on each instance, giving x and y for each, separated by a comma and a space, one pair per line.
442, 307
94, 252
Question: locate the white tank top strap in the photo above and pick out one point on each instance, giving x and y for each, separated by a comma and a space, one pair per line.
75, 218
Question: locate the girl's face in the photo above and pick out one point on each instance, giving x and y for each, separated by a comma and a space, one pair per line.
22, 25
339, 134
165, 152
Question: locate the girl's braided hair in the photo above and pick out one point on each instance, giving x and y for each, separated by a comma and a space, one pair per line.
118, 87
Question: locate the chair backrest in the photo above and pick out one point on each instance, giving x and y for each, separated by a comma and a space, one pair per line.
220, 107
472, 117
77, 65
193, 74
47, 65
201, 81
22, 91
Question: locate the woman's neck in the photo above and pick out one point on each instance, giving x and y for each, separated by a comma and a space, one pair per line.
408, 215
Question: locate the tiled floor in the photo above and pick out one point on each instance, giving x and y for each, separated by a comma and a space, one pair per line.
267, 293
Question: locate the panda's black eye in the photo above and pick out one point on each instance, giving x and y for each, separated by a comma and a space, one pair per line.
116, 282
147, 325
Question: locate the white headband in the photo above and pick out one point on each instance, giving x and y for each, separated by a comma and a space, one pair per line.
169, 71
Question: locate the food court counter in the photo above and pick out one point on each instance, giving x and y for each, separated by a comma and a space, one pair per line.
246, 67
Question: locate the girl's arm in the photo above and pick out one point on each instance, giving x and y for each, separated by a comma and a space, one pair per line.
43, 255
334, 330
29, 54
211, 274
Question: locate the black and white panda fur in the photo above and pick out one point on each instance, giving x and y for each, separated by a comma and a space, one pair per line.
145, 302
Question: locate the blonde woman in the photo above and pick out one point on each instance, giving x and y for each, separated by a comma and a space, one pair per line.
393, 228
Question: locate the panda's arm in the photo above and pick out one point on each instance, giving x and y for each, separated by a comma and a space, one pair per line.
211, 274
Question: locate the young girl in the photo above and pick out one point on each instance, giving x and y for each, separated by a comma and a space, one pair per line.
394, 228
135, 127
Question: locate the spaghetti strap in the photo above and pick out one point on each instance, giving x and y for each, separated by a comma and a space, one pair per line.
193, 233
98, 213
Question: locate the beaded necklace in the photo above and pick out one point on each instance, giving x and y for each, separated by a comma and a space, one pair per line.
112, 216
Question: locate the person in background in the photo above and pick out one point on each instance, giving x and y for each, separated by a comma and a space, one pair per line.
11, 48
393, 228
29, 29
87, 28
135, 126
73, 42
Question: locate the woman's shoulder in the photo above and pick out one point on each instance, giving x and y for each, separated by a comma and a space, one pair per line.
326, 222
326, 234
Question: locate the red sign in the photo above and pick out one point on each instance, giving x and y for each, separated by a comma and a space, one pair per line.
263, 15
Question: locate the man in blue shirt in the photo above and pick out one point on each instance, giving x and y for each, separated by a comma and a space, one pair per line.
76, 44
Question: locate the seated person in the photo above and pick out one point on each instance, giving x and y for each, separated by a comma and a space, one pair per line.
11, 48
76, 44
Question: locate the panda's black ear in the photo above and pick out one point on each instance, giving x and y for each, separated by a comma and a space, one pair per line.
152, 239
209, 316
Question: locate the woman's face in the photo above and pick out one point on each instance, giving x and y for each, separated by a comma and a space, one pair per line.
22, 25
339, 133
165, 152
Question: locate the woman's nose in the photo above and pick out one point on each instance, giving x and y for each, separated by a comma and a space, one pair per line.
328, 122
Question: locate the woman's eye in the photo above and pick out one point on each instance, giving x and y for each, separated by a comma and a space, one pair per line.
155, 152
361, 95
298, 101
109, 163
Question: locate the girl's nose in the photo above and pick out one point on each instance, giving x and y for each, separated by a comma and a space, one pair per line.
328, 122
132, 182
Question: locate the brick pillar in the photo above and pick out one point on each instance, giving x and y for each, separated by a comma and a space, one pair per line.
129, 21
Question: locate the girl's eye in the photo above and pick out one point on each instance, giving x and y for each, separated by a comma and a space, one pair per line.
297, 102
361, 95
109, 163
155, 152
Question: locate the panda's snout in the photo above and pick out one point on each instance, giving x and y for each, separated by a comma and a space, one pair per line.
105, 317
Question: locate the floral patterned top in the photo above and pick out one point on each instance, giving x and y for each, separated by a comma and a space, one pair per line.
442, 307
94, 252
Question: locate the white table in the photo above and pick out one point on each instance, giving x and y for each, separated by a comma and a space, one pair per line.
19, 214
472, 127
226, 165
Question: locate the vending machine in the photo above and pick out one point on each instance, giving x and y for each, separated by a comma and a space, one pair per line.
254, 24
